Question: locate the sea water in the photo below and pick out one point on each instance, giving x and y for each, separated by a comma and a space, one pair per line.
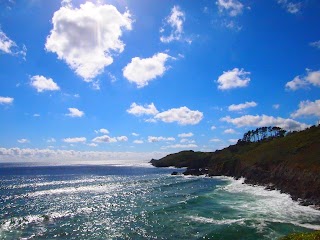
141, 202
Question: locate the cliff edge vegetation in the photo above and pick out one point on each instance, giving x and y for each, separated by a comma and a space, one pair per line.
266, 156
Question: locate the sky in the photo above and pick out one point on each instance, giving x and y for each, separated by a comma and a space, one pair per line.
113, 80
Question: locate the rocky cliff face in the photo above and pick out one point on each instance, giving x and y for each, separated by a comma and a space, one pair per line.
290, 164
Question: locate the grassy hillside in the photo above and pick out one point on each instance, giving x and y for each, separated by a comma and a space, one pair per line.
290, 163
303, 236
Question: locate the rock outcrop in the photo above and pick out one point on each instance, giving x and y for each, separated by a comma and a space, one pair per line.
290, 164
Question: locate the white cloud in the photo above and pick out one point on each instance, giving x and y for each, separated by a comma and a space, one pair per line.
229, 131
175, 20
104, 138
233, 79
185, 135
102, 130
42, 83
241, 106
86, 38
67, 156
233, 140
74, 112
6, 100
153, 139
23, 140
276, 106
142, 70
290, 7
92, 145
311, 78
315, 44
264, 120
215, 140
296, 84
185, 146
51, 140
187, 140
122, 139
8, 46
74, 140
138, 141
307, 108
233, 7
36, 115
139, 110
182, 115
213, 127
135, 134
231, 24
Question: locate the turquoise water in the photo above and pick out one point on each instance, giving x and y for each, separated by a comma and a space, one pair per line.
119, 202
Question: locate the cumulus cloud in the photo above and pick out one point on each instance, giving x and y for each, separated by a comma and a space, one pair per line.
86, 38
232, 7
296, 83
66, 156
290, 6
241, 106
23, 140
185, 135
175, 21
153, 139
137, 141
213, 127
139, 110
6, 100
142, 70
135, 134
74, 140
122, 139
74, 112
42, 83
8, 46
92, 145
264, 120
307, 108
104, 139
311, 78
102, 130
182, 115
184, 146
229, 131
315, 44
233, 79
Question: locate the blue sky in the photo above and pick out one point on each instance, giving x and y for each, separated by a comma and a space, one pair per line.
139, 79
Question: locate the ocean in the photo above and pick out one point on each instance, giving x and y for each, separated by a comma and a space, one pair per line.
140, 202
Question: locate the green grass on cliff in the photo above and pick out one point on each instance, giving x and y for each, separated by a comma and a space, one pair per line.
303, 236
297, 150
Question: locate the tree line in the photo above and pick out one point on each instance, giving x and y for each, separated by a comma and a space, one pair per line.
263, 133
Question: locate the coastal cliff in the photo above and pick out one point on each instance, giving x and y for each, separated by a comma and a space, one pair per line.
289, 163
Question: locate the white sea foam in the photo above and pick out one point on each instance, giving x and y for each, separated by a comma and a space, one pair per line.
20, 222
74, 190
53, 183
255, 202
216, 221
